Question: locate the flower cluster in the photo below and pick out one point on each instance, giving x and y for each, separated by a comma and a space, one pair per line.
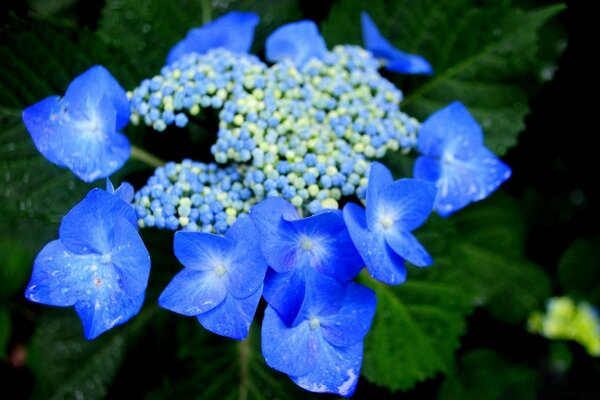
298, 137
566, 320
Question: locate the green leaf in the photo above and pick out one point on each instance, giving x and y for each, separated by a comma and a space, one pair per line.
579, 270
66, 365
485, 54
484, 374
222, 368
5, 331
480, 250
415, 332
15, 267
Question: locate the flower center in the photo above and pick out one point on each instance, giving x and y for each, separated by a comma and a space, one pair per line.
314, 323
220, 270
106, 258
386, 222
306, 244
97, 282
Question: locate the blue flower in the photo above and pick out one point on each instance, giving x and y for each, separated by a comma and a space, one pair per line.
80, 130
292, 246
233, 31
99, 264
382, 233
394, 59
322, 349
455, 158
221, 283
125, 192
297, 42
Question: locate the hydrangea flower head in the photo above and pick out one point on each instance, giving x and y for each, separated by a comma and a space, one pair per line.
322, 349
80, 131
382, 232
99, 264
222, 281
292, 246
297, 41
455, 158
233, 31
394, 59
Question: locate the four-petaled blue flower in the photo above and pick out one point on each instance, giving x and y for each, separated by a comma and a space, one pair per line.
99, 264
222, 281
322, 349
233, 31
292, 246
297, 41
455, 158
394, 59
80, 131
382, 233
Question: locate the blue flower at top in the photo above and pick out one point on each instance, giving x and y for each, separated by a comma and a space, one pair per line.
395, 60
297, 42
222, 281
80, 130
455, 158
382, 232
99, 264
292, 246
322, 349
233, 31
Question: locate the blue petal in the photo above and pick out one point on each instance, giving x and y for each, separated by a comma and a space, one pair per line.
353, 320
89, 225
233, 31
332, 252
297, 42
93, 85
463, 182
60, 277
41, 121
383, 264
193, 292
379, 178
450, 131
408, 247
427, 169
337, 369
293, 351
395, 59
125, 192
232, 318
271, 218
202, 251
130, 257
323, 296
285, 292
247, 270
108, 309
407, 202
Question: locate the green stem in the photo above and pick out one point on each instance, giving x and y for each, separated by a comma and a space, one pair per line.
145, 157
206, 11
244, 348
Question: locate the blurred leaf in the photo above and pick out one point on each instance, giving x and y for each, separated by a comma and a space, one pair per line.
415, 332
147, 29
68, 366
5, 331
484, 374
225, 369
15, 266
492, 71
579, 270
480, 250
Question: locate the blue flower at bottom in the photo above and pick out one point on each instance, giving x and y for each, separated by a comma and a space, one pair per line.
322, 349
221, 283
293, 245
80, 130
382, 232
455, 158
395, 60
99, 264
